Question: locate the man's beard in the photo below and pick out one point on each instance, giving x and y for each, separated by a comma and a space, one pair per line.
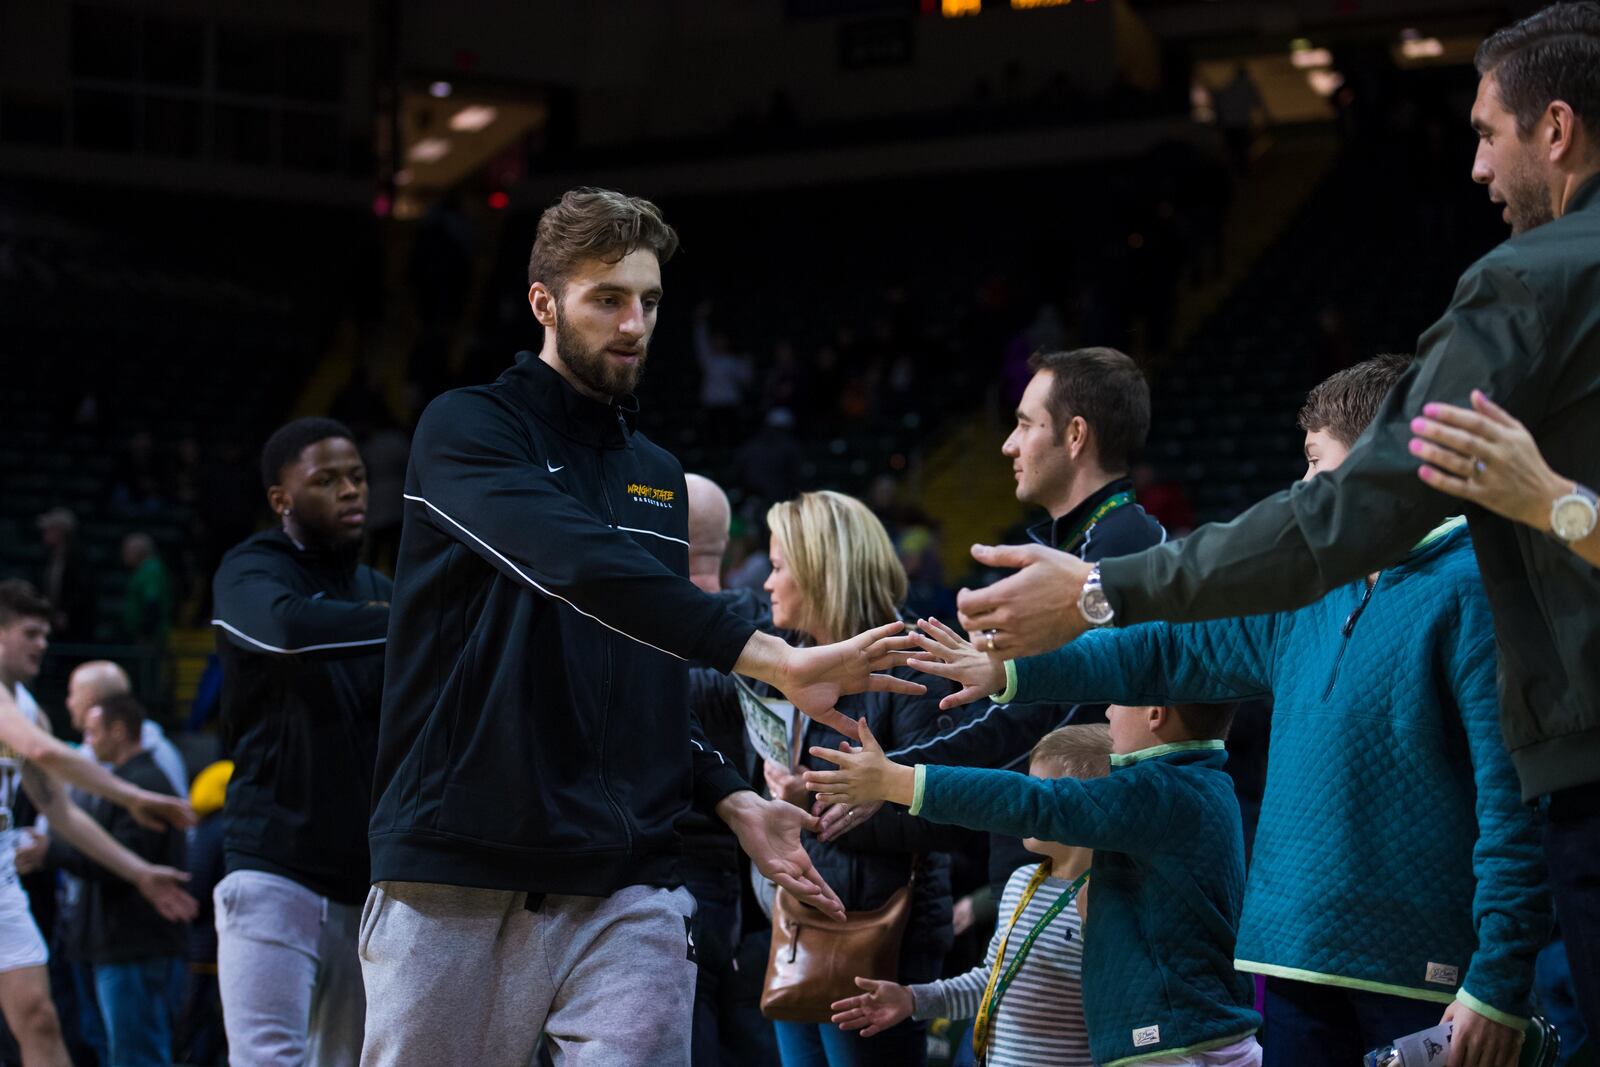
591, 367
334, 544
1527, 201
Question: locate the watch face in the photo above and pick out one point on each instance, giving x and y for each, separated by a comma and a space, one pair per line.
1573, 519
1096, 606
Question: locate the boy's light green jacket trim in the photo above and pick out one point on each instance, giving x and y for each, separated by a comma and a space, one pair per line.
918, 789
1127, 759
1160, 1054
1440, 530
1009, 693
1296, 974
1489, 1011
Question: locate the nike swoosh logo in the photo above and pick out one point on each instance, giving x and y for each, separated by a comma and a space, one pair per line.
554, 469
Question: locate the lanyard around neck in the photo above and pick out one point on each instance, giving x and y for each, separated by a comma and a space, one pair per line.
1107, 506
983, 1029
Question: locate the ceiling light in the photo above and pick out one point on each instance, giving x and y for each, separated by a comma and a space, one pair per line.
440, 89
1324, 82
1422, 48
472, 118
429, 150
1312, 58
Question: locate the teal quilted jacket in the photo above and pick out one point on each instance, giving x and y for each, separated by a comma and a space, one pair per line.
1165, 888
1393, 853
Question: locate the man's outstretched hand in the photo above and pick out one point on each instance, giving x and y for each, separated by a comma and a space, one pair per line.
814, 679
769, 833
157, 811
163, 888
1030, 612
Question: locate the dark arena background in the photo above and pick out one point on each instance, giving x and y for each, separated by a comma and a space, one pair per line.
220, 215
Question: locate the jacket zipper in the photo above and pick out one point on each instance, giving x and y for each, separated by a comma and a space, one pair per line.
605, 678
1344, 633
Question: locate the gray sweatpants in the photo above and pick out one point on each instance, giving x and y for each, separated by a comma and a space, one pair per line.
471, 976
290, 979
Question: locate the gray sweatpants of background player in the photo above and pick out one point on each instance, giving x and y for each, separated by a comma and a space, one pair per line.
472, 976
287, 967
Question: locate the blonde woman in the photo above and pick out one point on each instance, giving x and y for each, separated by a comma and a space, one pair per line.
835, 572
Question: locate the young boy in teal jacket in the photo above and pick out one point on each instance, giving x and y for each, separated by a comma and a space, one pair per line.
1395, 867
1159, 987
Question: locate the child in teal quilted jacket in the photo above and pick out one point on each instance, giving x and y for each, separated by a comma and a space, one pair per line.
1395, 868
1159, 987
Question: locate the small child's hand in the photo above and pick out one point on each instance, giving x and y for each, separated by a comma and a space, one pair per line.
865, 774
882, 1005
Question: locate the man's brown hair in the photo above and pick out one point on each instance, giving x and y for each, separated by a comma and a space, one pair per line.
1551, 55
1344, 403
20, 600
125, 709
1206, 722
1107, 390
1076, 751
601, 224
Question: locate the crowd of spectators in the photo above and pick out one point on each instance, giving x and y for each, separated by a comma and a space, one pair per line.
827, 374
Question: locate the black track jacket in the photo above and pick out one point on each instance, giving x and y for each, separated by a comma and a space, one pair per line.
300, 634
119, 925
536, 733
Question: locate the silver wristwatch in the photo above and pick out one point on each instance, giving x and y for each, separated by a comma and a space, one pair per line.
1572, 517
1093, 602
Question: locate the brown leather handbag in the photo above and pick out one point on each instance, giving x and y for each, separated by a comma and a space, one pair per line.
815, 960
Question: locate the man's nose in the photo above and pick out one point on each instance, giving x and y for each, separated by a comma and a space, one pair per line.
632, 323
1481, 172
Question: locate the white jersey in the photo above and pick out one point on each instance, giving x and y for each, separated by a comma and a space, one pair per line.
11, 787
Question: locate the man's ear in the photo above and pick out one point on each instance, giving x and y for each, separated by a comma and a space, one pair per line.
1077, 436
543, 302
278, 500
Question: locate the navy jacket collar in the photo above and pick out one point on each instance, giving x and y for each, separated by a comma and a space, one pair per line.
1046, 532
567, 411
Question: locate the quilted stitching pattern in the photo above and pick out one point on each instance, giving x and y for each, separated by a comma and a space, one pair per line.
1392, 834
1365, 853
1164, 896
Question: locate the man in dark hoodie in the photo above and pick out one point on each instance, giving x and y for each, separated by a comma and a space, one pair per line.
537, 747
300, 632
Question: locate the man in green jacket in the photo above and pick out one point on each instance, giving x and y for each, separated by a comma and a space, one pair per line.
1524, 327
147, 601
